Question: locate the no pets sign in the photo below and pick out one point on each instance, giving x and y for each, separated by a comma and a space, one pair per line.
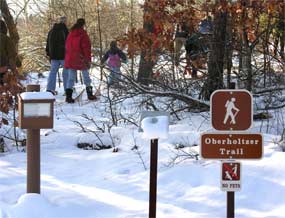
231, 176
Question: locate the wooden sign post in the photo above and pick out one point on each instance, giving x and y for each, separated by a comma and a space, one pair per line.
35, 113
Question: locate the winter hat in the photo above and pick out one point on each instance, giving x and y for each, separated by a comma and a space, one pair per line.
62, 19
113, 44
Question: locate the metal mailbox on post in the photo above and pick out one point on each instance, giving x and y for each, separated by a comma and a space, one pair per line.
154, 125
36, 110
35, 113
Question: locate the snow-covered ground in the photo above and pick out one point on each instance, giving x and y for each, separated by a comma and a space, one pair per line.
77, 183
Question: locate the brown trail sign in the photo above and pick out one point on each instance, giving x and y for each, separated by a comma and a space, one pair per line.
231, 110
231, 146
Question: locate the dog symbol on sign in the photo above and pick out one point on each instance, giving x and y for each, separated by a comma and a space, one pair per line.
231, 171
230, 109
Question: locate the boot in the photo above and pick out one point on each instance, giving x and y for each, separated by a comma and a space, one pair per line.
68, 93
90, 93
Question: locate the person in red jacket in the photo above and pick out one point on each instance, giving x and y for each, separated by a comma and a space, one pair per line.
78, 57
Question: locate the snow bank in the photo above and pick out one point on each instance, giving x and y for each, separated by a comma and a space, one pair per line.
98, 138
31, 206
81, 184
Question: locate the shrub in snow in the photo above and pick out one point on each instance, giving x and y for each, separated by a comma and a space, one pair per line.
281, 142
2, 145
282, 146
88, 146
262, 116
11, 135
184, 139
96, 141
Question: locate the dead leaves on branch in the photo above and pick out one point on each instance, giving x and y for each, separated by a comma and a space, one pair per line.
161, 17
145, 40
247, 15
8, 97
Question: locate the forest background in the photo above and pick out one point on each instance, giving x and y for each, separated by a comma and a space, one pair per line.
246, 47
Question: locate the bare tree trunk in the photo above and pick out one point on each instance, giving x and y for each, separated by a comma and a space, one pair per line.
216, 59
266, 53
229, 51
100, 39
13, 32
282, 31
240, 55
246, 55
282, 38
146, 64
132, 32
264, 64
145, 68
246, 61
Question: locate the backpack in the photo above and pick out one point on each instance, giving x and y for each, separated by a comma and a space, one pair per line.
114, 60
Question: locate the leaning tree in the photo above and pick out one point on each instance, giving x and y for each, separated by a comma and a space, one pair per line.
11, 87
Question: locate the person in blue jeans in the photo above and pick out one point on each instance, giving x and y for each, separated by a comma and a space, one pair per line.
113, 57
72, 73
55, 50
78, 57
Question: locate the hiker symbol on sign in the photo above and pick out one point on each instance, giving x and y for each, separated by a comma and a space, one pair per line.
231, 111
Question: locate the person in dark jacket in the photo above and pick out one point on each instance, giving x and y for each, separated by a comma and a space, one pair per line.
55, 50
78, 57
113, 57
8, 55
